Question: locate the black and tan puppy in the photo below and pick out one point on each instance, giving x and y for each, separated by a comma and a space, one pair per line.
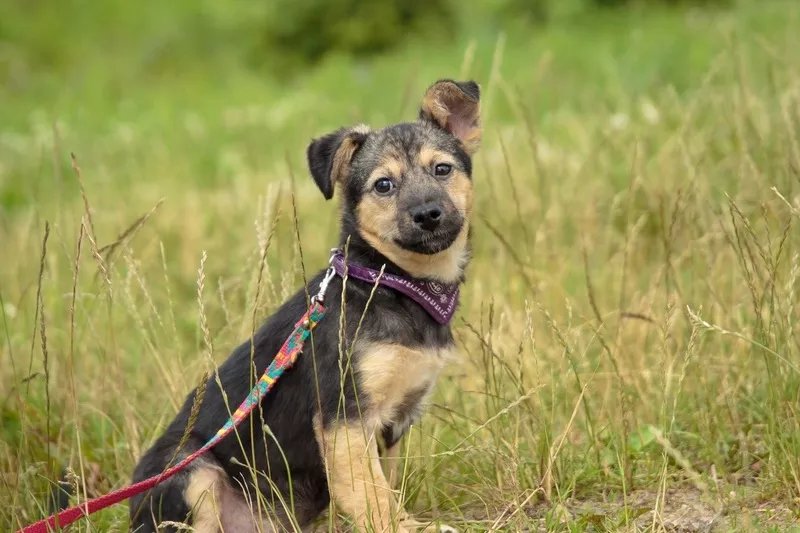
406, 202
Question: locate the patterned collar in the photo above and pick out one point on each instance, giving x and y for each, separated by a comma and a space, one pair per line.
437, 299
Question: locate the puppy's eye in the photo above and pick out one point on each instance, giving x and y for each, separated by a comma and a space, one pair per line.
442, 169
383, 186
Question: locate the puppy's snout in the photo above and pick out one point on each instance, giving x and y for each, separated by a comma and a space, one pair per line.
427, 216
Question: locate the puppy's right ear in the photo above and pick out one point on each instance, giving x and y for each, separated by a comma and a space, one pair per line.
329, 157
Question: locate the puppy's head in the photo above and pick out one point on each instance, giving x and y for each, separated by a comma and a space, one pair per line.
407, 189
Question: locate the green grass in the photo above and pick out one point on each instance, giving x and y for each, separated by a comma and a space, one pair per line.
630, 353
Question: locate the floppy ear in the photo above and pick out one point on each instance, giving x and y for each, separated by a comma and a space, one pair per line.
455, 107
329, 156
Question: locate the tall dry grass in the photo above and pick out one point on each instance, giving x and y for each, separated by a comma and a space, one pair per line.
627, 332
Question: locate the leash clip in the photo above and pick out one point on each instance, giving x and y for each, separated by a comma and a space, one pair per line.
323, 286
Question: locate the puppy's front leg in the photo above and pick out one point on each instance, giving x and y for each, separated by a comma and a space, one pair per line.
391, 463
357, 481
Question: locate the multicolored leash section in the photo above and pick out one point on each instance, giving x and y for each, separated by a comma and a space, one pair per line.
286, 357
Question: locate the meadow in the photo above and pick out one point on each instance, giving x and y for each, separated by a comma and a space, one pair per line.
630, 355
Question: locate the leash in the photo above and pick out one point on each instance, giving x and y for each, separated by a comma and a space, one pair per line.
285, 358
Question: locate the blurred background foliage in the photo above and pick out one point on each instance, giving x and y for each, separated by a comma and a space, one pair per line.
263, 75
280, 36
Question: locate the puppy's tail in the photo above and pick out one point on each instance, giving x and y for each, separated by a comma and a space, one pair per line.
60, 493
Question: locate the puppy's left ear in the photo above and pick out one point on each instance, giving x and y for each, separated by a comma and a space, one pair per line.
455, 107
329, 157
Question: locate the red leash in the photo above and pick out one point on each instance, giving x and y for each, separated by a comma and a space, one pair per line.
285, 359
67, 516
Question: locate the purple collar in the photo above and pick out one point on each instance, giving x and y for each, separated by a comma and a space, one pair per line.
437, 299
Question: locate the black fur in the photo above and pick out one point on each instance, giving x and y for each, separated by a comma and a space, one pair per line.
290, 407
320, 155
60, 493
470, 88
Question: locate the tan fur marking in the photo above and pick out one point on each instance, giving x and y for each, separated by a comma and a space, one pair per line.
342, 157
456, 112
361, 482
359, 486
202, 497
217, 508
428, 156
378, 220
391, 462
356, 479
458, 185
433, 105
341, 160
472, 140
392, 166
377, 225
362, 129
388, 373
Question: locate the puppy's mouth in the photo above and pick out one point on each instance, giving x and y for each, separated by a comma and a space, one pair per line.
428, 243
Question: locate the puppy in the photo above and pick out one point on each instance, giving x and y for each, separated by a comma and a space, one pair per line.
330, 428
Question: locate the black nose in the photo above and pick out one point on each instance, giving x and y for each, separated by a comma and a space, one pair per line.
427, 216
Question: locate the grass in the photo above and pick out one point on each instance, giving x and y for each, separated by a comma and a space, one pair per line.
630, 358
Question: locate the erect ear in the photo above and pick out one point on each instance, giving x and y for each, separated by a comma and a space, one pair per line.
455, 107
329, 156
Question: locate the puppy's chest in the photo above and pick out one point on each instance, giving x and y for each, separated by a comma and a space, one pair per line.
396, 379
